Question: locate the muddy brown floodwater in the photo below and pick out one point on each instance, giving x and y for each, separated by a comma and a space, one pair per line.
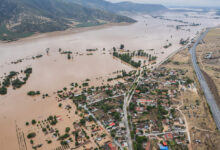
54, 72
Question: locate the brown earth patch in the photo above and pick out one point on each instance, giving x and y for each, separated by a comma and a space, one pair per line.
212, 87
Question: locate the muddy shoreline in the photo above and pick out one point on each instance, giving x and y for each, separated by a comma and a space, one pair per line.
65, 32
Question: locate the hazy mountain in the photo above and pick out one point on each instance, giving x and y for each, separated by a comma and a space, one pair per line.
28, 16
122, 6
135, 7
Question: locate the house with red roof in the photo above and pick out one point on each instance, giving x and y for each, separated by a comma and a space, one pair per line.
144, 101
110, 146
168, 136
137, 91
112, 124
164, 143
139, 109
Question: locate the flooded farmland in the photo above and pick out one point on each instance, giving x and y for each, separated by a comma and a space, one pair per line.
55, 71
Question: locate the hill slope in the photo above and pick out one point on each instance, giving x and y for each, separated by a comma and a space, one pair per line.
122, 6
29, 16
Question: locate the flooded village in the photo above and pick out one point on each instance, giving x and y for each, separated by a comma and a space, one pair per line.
73, 92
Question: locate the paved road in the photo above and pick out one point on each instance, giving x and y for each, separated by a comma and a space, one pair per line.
128, 133
91, 114
208, 94
162, 133
99, 100
118, 144
127, 101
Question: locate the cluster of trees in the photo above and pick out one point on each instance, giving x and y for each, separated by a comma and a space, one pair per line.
167, 46
152, 58
6, 82
82, 122
127, 58
109, 92
65, 52
188, 81
91, 50
31, 135
63, 137
142, 53
33, 122
37, 57
122, 46
138, 144
33, 93
124, 74
106, 107
16, 83
52, 120
132, 106
79, 98
116, 115
161, 111
183, 42
68, 53
142, 89
85, 84
3, 90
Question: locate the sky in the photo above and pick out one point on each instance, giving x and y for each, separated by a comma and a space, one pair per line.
199, 3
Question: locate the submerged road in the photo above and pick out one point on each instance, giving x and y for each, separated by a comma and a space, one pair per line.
208, 94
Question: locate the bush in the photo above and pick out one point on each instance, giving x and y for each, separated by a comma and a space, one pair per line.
33, 122
122, 46
17, 83
91, 118
62, 137
31, 135
6, 82
85, 84
28, 71
3, 90
33, 93
82, 122
67, 129
31, 141
52, 120
63, 143
44, 129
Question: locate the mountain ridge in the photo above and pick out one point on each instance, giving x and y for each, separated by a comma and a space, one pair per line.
121, 6
20, 18
31, 16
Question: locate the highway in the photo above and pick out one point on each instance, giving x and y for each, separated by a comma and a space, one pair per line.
208, 94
